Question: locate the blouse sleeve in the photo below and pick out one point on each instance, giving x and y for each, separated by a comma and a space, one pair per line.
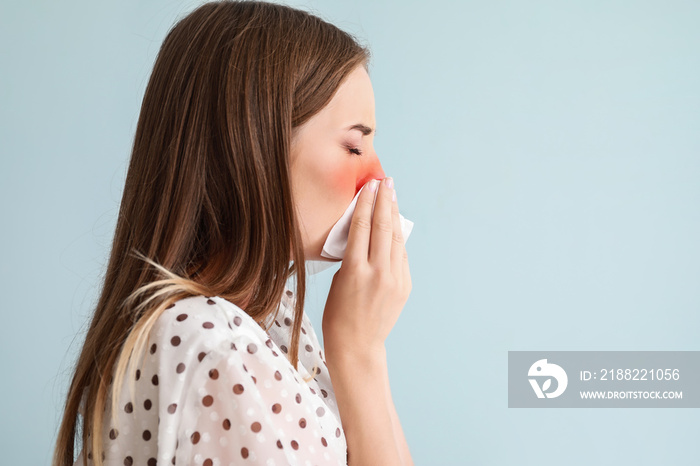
243, 406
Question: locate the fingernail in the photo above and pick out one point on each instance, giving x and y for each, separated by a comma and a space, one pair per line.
389, 182
373, 185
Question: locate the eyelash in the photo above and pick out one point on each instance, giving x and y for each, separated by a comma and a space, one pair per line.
354, 150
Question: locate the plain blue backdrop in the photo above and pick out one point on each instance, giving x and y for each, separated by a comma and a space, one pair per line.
547, 151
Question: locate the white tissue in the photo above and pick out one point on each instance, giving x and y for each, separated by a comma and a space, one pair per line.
337, 241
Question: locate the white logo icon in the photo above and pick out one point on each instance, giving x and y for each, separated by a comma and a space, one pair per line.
543, 369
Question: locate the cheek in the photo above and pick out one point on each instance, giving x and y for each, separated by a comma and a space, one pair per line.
344, 182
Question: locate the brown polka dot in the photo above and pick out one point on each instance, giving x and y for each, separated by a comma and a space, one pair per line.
298, 398
113, 434
289, 293
308, 348
208, 400
154, 379
284, 349
278, 375
245, 368
255, 427
320, 411
214, 374
268, 343
274, 353
337, 432
302, 422
227, 424
237, 321
324, 442
153, 348
146, 435
180, 368
277, 323
324, 393
170, 306
172, 408
201, 356
295, 445
303, 330
208, 462
173, 460
312, 390
287, 321
175, 340
128, 461
208, 325
147, 404
252, 348
276, 408
279, 444
152, 462
129, 408
211, 301
181, 317
195, 437
254, 379
238, 389
138, 374
244, 452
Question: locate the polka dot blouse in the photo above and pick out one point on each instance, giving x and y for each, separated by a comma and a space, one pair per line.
216, 389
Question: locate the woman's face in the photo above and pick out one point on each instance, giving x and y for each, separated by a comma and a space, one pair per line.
326, 170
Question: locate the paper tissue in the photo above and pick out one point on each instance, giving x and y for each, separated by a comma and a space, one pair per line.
337, 241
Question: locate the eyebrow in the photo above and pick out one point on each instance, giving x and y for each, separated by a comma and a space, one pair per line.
366, 130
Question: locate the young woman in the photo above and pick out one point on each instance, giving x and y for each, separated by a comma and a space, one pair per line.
254, 136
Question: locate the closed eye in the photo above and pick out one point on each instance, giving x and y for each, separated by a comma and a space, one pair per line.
354, 150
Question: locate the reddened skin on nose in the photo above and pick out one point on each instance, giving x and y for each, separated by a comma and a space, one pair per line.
374, 173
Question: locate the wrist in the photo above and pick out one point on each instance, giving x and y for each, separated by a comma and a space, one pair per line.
351, 356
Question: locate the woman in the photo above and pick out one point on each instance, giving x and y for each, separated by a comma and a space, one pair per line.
255, 133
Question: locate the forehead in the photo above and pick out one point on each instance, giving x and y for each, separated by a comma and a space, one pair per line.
352, 103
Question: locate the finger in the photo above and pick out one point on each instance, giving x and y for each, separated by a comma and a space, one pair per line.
360, 226
397, 245
382, 226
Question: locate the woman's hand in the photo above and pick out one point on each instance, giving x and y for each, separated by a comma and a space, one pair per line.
372, 286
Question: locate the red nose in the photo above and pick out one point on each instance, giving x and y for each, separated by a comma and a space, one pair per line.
373, 171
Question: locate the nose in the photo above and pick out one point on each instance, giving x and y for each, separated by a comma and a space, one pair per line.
371, 171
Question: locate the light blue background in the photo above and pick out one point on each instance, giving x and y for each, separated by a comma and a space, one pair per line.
547, 151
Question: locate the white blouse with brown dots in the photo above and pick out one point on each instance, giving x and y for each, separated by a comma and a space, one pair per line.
216, 389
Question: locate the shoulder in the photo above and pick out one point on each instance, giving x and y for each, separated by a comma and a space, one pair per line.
211, 319
197, 326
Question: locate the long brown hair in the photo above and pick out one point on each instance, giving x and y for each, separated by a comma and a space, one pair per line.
207, 207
